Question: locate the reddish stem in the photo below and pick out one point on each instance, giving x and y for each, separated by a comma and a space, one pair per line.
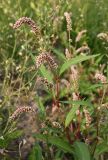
68, 136
78, 126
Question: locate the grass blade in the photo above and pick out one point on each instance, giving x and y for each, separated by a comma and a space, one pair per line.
74, 61
71, 114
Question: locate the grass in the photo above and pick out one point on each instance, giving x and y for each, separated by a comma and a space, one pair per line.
71, 117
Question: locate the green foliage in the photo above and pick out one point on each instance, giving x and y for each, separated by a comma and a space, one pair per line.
74, 61
46, 74
83, 103
71, 115
101, 148
81, 151
36, 153
66, 135
59, 142
6, 139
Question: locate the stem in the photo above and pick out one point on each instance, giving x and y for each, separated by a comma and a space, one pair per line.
78, 127
68, 136
7, 124
98, 119
69, 41
57, 91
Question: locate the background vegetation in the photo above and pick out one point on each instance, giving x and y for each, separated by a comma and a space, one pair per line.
48, 133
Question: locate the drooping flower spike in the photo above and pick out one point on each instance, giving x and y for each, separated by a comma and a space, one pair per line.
29, 22
46, 58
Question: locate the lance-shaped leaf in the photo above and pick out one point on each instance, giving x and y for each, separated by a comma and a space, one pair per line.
59, 142
71, 114
81, 151
74, 61
36, 153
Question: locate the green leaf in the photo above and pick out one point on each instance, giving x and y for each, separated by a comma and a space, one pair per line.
75, 60
81, 151
71, 114
33, 6
8, 137
41, 106
59, 142
101, 148
99, 59
46, 73
84, 103
36, 153
33, 58
13, 135
94, 86
58, 155
59, 53
3, 142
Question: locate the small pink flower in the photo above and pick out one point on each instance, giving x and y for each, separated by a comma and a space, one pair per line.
100, 77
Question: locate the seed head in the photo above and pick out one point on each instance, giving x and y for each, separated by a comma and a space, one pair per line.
75, 96
80, 34
100, 77
87, 117
105, 105
29, 22
44, 81
68, 54
21, 110
45, 58
103, 36
68, 20
78, 112
56, 124
84, 49
74, 72
74, 77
